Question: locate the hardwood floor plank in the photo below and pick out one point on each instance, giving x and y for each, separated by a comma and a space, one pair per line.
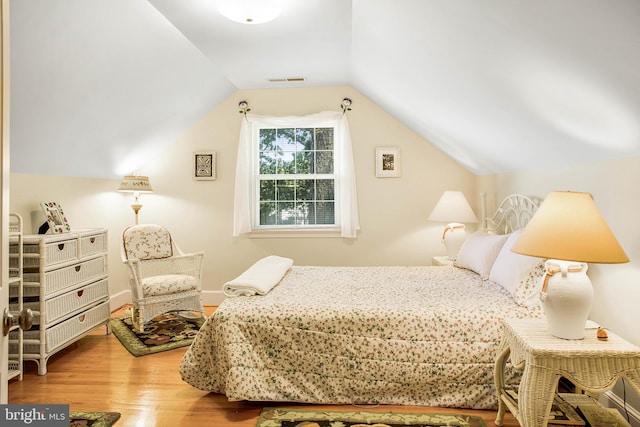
98, 374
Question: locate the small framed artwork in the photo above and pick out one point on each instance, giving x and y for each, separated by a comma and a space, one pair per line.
204, 166
388, 162
56, 220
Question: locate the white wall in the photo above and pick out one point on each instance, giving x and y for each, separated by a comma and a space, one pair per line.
393, 211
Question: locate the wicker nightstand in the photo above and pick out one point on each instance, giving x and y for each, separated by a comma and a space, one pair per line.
589, 363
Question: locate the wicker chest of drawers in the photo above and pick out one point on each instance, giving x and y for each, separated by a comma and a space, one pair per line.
66, 287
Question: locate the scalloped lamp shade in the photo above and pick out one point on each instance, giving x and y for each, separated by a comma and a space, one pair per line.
568, 229
136, 184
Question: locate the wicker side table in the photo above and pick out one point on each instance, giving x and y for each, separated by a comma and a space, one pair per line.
591, 364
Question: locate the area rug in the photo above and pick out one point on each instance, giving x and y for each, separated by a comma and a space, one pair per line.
286, 417
92, 419
165, 332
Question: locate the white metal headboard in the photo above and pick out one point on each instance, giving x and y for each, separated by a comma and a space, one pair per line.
513, 213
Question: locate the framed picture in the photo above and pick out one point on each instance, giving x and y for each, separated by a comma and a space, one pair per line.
204, 166
388, 162
56, 220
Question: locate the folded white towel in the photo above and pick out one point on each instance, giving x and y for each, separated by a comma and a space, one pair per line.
260, 278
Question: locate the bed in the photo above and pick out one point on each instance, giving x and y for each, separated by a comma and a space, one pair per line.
403, 335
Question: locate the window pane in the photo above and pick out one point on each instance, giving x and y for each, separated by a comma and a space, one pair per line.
267, 139
305, 189
299, 153
267, 162
267, 213
324, 139
286, 163
324, 189
267, 190
304, 162
304, 137
306, 213
285, 139
285, 190
286, 213
325, 213
324, 161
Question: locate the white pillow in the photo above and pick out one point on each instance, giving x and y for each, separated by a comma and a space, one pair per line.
528, 290
510, 268
479, 252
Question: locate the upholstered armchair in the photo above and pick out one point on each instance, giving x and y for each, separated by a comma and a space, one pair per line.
162, 277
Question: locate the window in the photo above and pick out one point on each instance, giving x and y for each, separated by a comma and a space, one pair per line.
295, 173
295, 181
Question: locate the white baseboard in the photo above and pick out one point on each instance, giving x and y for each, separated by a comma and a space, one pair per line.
118, 300
608, 399
212, 297
124, 297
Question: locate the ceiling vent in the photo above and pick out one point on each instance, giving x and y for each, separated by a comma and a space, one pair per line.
287, 80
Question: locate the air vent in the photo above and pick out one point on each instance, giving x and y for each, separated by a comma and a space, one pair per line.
287, 80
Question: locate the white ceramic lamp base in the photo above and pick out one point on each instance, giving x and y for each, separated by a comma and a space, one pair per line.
453, 237
567, 299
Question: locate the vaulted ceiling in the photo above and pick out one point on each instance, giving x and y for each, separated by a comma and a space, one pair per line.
498, 85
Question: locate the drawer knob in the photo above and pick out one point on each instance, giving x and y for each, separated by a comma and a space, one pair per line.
60, 246
78, 267
81, 318
80, 292
92, 240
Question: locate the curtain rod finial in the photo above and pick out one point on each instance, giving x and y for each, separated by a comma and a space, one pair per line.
345, 105
244, 107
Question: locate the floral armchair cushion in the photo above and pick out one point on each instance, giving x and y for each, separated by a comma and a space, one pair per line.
168, 284
147, 241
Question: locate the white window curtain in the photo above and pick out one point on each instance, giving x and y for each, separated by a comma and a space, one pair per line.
344, 168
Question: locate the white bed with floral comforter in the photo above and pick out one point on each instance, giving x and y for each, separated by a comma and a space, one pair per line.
341, 335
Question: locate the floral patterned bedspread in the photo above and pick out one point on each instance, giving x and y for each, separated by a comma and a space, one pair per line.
340, 335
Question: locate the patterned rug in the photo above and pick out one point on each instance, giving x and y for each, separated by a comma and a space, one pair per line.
165, 332
92, 419
285, 417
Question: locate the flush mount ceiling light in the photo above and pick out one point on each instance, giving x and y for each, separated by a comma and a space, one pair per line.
250, 11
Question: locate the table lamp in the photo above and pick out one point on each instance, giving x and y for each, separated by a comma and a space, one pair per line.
569, 231
136, 184
454, 209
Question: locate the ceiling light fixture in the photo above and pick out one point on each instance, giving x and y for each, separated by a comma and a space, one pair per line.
250, 11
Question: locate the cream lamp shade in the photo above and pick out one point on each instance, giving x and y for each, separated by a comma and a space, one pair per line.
454, 209
136, 184
569, 230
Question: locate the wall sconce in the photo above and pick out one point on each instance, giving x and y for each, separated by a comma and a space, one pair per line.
136, 184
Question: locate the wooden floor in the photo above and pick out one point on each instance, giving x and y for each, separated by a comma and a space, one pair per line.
98, 374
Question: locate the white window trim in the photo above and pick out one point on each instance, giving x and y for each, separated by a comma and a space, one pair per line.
290, 229
347, 222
